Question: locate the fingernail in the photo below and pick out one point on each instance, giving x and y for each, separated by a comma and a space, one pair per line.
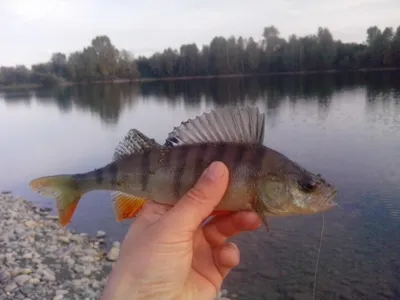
214, 171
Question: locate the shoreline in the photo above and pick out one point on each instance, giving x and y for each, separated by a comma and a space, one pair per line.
151, 79
41, 260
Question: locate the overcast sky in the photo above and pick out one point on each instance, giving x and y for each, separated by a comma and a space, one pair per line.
33, 29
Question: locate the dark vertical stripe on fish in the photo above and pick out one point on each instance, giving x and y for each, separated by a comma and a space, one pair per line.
219, 152
164, 158
256, 163
238, 155
145, 168
181, 156
200, 163
223, 151
113, 171
99, 176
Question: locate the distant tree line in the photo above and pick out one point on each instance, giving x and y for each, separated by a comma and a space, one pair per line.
102, 61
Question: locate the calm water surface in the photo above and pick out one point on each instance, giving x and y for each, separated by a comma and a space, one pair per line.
344, 127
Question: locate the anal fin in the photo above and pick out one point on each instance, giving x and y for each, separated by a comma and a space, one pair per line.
126, 206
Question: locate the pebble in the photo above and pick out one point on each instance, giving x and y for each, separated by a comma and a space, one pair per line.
70, 262
101, 234
113, 254
26, 271
27, 255
10, 287
30, 224
15, 271
63, 239
26, 290
21, 279
86, 259
5, 276
61, 292
34, 280
87, 272
48, 275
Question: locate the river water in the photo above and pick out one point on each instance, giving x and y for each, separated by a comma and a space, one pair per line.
346, 127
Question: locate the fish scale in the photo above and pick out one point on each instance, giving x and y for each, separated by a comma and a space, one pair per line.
260, 178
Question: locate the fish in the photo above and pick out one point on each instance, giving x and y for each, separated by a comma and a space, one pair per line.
261, 179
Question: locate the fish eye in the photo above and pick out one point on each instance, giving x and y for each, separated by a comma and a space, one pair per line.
306, 186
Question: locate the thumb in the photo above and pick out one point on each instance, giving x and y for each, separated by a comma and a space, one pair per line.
201, 199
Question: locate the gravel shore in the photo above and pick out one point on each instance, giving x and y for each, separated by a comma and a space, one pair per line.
41, 260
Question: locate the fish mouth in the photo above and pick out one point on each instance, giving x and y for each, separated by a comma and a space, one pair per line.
329, 202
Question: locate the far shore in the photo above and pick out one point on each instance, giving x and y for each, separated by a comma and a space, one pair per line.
150, 79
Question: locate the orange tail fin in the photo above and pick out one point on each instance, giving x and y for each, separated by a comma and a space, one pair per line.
63, 189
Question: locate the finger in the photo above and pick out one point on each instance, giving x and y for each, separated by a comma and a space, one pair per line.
218, 230
151, 213
226, 257
199, 201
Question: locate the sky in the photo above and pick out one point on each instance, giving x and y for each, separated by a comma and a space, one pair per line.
31, 30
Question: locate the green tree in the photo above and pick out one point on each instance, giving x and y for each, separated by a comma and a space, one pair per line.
106, 56
253, 53
101, 60
126, 65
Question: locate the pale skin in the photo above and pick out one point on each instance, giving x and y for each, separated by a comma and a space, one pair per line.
168, 254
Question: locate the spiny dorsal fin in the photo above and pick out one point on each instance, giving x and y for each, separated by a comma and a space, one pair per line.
134, 142
230, 124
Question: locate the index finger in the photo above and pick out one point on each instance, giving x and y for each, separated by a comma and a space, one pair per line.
218, 230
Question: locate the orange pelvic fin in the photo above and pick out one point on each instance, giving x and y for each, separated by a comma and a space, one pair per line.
126, 206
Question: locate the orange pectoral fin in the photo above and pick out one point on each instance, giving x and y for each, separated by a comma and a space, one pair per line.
126, 206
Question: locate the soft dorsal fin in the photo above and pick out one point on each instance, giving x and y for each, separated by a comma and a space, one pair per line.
134, 142
229, 124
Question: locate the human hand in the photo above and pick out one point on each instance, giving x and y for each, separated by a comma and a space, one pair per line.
167, 254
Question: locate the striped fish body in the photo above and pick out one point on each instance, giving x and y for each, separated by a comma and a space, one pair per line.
260, 178
165, 175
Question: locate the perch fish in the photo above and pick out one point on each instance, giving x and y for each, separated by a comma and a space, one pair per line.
260, 178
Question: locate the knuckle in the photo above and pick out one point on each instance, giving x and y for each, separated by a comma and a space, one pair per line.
196, 195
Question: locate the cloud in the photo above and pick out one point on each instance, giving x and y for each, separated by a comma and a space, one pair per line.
32, 30
39, 10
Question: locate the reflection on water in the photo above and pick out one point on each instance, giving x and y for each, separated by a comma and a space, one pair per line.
346, 127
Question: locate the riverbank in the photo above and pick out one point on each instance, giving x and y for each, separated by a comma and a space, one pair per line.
150, 79
41, 260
